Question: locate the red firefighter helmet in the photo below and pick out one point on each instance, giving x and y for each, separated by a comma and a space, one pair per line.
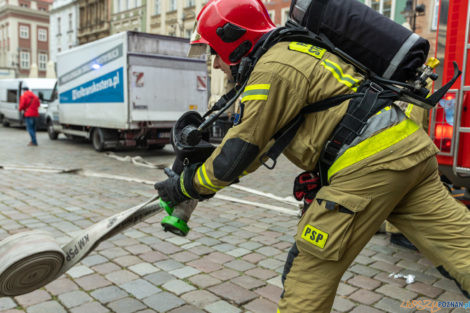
231, 28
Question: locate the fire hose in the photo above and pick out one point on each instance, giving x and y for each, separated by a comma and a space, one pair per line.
30, 260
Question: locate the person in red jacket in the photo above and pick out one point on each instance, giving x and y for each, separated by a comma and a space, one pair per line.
29, 103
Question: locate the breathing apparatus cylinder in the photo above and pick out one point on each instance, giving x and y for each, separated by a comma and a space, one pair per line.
191, 146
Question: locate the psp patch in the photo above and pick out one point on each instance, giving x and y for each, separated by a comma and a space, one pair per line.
312, 50
239, 114
314, 236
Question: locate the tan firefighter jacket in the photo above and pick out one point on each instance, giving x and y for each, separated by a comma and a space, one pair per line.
286, 78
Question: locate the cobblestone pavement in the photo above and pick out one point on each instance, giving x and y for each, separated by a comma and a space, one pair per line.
230, 261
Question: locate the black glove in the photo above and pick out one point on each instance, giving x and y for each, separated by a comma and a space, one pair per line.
170, 189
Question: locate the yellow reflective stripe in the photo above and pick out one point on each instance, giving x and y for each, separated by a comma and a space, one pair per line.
373, 145
183, 189
408, 109
202, 181
387, 108
257, 86
278, 311
207, 178
256, 92
337, 72
255, 97
243, 174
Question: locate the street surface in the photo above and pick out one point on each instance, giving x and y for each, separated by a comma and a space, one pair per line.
230, 261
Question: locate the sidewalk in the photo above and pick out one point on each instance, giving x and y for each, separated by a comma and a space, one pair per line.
230, 261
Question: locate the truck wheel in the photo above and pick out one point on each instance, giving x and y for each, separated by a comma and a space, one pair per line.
51, 132
5, 122
97, 139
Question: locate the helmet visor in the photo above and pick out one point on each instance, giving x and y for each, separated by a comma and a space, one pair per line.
198, 49
198, 45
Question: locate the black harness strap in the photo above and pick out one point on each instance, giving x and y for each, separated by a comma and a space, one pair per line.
369, 99
353, 122
285, 135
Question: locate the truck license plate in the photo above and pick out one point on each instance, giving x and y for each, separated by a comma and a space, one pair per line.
164, 135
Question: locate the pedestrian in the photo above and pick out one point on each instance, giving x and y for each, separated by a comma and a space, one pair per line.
389, 171
29, 104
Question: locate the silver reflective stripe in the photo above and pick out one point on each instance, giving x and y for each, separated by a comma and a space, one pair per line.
299, 9
400, 55
376, 123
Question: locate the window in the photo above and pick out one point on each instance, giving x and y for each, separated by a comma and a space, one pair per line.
435, 15
124, 5
117, 6
172, 6
157, 7
24, 32
24, 59
272, 15
188, 33
42, 34
385, 7
284, 15
190, 3
42, 61
70, 22
58, 26
11, 95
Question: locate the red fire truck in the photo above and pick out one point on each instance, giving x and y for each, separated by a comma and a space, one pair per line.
450, 119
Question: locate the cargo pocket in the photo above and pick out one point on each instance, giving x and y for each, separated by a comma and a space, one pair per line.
325, 229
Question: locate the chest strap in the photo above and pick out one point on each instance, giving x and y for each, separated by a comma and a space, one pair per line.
285, 135
368, 100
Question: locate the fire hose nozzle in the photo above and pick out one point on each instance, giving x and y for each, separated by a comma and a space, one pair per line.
178, 217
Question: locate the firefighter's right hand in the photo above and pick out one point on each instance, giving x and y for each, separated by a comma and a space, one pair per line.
170, 189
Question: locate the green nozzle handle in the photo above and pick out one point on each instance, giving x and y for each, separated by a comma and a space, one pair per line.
175, 225
166, 205
172, 223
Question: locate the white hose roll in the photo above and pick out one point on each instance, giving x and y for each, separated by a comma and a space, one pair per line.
30, 260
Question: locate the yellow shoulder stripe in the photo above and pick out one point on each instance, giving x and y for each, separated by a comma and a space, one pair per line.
337, 72
256, 92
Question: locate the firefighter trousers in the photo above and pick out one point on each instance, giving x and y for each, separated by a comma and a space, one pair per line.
350, 211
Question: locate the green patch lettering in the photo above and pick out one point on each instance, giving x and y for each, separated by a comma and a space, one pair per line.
312, 50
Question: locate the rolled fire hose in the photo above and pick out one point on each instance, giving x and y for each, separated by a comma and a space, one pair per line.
30, 260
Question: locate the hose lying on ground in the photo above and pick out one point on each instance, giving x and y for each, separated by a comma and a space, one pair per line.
30, 260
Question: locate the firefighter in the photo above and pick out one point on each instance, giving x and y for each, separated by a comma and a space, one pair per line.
389, 171
421, 117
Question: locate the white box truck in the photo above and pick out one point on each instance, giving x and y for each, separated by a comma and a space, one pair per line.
10, 92
127, 89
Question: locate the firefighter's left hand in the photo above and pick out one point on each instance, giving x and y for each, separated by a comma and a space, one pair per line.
170, 190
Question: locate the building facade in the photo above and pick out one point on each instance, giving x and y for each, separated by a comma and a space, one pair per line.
173, 17
24, 36
63, 26
94, 20
128, 15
